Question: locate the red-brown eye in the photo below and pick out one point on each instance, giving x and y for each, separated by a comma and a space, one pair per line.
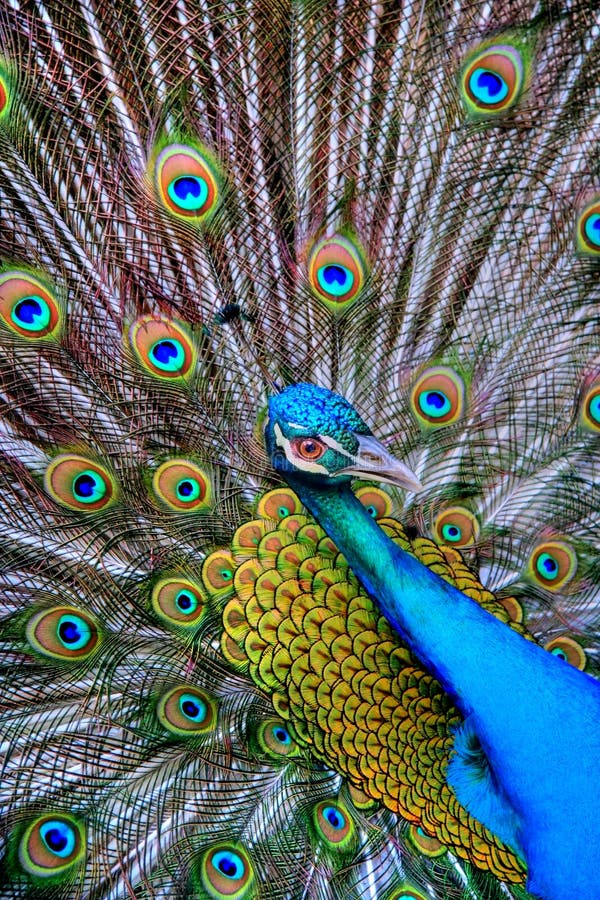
308, 448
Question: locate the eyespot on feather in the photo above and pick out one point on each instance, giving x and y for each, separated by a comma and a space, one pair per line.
590, 408
225, 871
334, 825
163, 348
492, 80
187, 182
178, 601
278, 504
567, 649
52, 844
187, 711
217, 571
438, 397
588, 230
424, 843
377, 503
456, 526
337, 271
64, 633
182, 486
406, 892
552, 565
275, 740
28, 307
79, 483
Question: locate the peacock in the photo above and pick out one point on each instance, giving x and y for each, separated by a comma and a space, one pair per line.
299, 435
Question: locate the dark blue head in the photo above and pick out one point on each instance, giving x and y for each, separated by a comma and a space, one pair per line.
315, 436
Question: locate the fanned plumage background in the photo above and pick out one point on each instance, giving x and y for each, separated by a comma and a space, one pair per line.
322, 125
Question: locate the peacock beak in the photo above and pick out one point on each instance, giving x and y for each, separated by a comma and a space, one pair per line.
372, 461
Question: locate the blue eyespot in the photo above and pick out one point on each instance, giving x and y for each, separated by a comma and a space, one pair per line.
592, 229
59, 837
89, 487
32, 313
335, 817
192, 707
336, 280
451, 533
594, 408
547, 566
282, 735
168, 355
434, 404
186, 602
488, 87
188, 192
73, 632
229, 864
188, 490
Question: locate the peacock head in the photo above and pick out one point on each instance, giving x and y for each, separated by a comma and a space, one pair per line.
316, 437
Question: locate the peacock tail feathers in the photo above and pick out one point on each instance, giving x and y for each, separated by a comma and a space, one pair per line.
201, 202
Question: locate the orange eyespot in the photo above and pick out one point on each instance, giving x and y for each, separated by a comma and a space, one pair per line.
308, 448
552, 565
588, 230
590, 407
566, 648
438, 397
425, 843
187, 182
456, 526
492, 80
27, 306
53, 844
337, 271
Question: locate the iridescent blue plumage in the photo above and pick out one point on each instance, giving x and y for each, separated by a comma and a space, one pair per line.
508, 688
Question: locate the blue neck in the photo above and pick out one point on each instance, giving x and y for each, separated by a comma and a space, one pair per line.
536, 717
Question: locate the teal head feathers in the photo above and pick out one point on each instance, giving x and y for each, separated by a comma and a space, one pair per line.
316, 436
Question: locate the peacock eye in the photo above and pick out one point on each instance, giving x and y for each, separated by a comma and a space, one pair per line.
79, 483
163, 347
187, 182
226, 871
457, 526
275, 740
407, 892
63, 633
492, 80
27, 306
333, 824
588, 230
187, 711
52, 844
425, 843
337, 271
376, 502
182, 486
567, 649
553, 564
437, 397
590, 408
308, 448
178, 601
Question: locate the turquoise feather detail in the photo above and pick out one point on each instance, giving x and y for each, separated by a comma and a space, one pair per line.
509, 693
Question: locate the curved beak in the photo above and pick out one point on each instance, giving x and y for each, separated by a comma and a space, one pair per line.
373, 462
